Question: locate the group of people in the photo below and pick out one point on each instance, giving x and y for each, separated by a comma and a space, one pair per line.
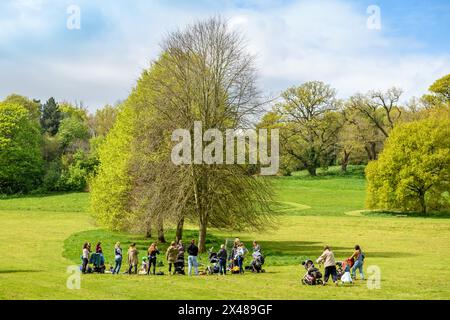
87, 252
237, 257
174, 253
353, 263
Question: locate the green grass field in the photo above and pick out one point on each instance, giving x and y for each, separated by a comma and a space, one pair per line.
41, 236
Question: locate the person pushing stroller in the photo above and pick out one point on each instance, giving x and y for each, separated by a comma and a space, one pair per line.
327, 258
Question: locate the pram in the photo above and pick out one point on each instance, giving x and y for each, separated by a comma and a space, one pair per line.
214, 262
97, 262
313, 275
257, 263
179, 265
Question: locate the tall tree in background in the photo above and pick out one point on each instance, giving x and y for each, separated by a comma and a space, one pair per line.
50, 117
311, 125
378, 107
102, 121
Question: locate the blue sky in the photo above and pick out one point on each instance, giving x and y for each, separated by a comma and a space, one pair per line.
295, 41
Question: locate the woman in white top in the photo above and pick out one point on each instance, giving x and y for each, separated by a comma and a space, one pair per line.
86, 251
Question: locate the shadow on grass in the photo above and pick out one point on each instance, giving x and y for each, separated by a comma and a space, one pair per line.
18, 271
398, 214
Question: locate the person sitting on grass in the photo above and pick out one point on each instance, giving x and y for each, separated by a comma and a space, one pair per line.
327, 258
152, 253
358, 255
117, 258
144, 266
86, 252
133, 258
171, 256
222, 255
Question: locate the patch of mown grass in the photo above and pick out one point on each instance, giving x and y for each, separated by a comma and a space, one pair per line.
59, 202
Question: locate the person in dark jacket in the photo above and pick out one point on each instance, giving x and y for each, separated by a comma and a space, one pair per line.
222, 255
192, 258
99, 250
152, 252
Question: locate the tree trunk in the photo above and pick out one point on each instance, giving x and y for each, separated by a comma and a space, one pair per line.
423, 204
312, 171
374, 150
202, 235
345, 161
161, 238
371, 151
179, 233
148, 231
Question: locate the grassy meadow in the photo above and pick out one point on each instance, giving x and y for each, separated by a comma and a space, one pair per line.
40, 236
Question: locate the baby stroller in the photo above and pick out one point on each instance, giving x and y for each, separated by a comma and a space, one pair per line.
214, 260
313, 275
257, 263
179, 265
97, 261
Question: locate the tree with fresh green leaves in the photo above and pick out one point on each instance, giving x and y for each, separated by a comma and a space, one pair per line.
103, 120
111, 188
51, 117
33, 106
413, 170
310, 124
439, 93
70, 130
21, 164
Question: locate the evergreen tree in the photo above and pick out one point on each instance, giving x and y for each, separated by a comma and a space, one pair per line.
50, 117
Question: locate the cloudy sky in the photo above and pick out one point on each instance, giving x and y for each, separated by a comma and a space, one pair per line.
294, 40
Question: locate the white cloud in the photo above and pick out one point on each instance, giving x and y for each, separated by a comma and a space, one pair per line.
305, 40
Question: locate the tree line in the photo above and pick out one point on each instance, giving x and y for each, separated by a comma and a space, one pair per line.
49, 147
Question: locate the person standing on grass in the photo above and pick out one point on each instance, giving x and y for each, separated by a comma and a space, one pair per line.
327, 258
222, 255
233, 253
240, 255
132, 258
180, 247
358, 255
171, 256
99, 250
192, 258
117, 258
152, 253
86, 251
